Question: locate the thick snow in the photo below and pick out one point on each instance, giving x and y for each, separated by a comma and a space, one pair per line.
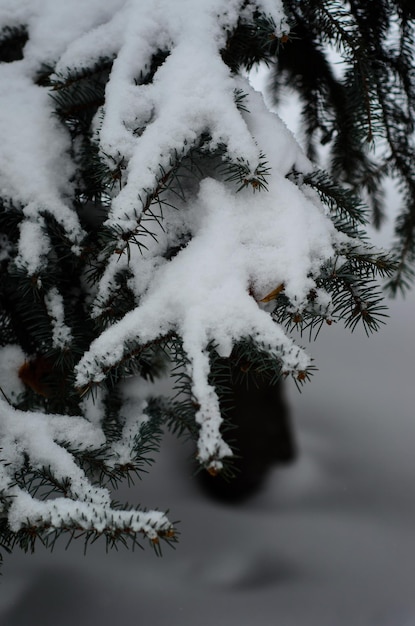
204, 293
61, 333
34, 163
243, 244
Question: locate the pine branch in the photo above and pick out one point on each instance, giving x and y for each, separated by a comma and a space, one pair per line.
169, 272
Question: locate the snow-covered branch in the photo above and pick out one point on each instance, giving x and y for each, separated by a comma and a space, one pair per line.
147, 200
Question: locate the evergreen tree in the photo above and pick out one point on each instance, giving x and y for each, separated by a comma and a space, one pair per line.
156, 221
363, 108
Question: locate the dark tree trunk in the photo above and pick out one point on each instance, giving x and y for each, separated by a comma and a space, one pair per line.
262, 437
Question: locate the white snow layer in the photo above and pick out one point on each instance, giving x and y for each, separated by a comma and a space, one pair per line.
11, 359
35, 168
61, 333
243, 244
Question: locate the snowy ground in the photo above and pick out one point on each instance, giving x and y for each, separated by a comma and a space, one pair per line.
329, 542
